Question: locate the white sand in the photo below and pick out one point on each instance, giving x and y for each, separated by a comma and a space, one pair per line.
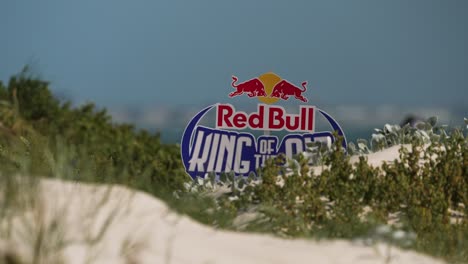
144, 230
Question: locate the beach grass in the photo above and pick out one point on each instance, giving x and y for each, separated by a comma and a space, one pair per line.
417, 202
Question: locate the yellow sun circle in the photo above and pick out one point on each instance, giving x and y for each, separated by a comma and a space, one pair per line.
269, 81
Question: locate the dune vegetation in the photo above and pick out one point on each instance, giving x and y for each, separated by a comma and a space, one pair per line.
418, 201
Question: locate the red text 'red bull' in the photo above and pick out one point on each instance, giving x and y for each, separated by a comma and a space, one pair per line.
227, 148
270, 118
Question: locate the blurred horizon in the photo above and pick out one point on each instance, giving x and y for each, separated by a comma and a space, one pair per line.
358, 121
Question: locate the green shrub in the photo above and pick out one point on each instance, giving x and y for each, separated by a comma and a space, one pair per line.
417, 194
29, 111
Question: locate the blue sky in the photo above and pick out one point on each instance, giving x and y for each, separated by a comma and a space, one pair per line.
178, 53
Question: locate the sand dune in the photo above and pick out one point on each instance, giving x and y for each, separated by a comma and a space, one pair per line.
142, 229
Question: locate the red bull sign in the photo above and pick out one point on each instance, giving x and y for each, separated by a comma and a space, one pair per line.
227, 147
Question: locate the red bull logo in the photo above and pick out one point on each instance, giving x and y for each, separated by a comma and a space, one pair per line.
226, 148
269, 87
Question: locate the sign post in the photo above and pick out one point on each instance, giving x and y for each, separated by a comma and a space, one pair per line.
226, 148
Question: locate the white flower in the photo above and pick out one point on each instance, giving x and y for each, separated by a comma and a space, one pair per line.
200, 180
383, 230
399, 234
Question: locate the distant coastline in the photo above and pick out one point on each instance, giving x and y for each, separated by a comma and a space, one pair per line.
173, 135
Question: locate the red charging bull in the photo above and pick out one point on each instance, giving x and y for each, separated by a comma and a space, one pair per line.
284, 89
252, 88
